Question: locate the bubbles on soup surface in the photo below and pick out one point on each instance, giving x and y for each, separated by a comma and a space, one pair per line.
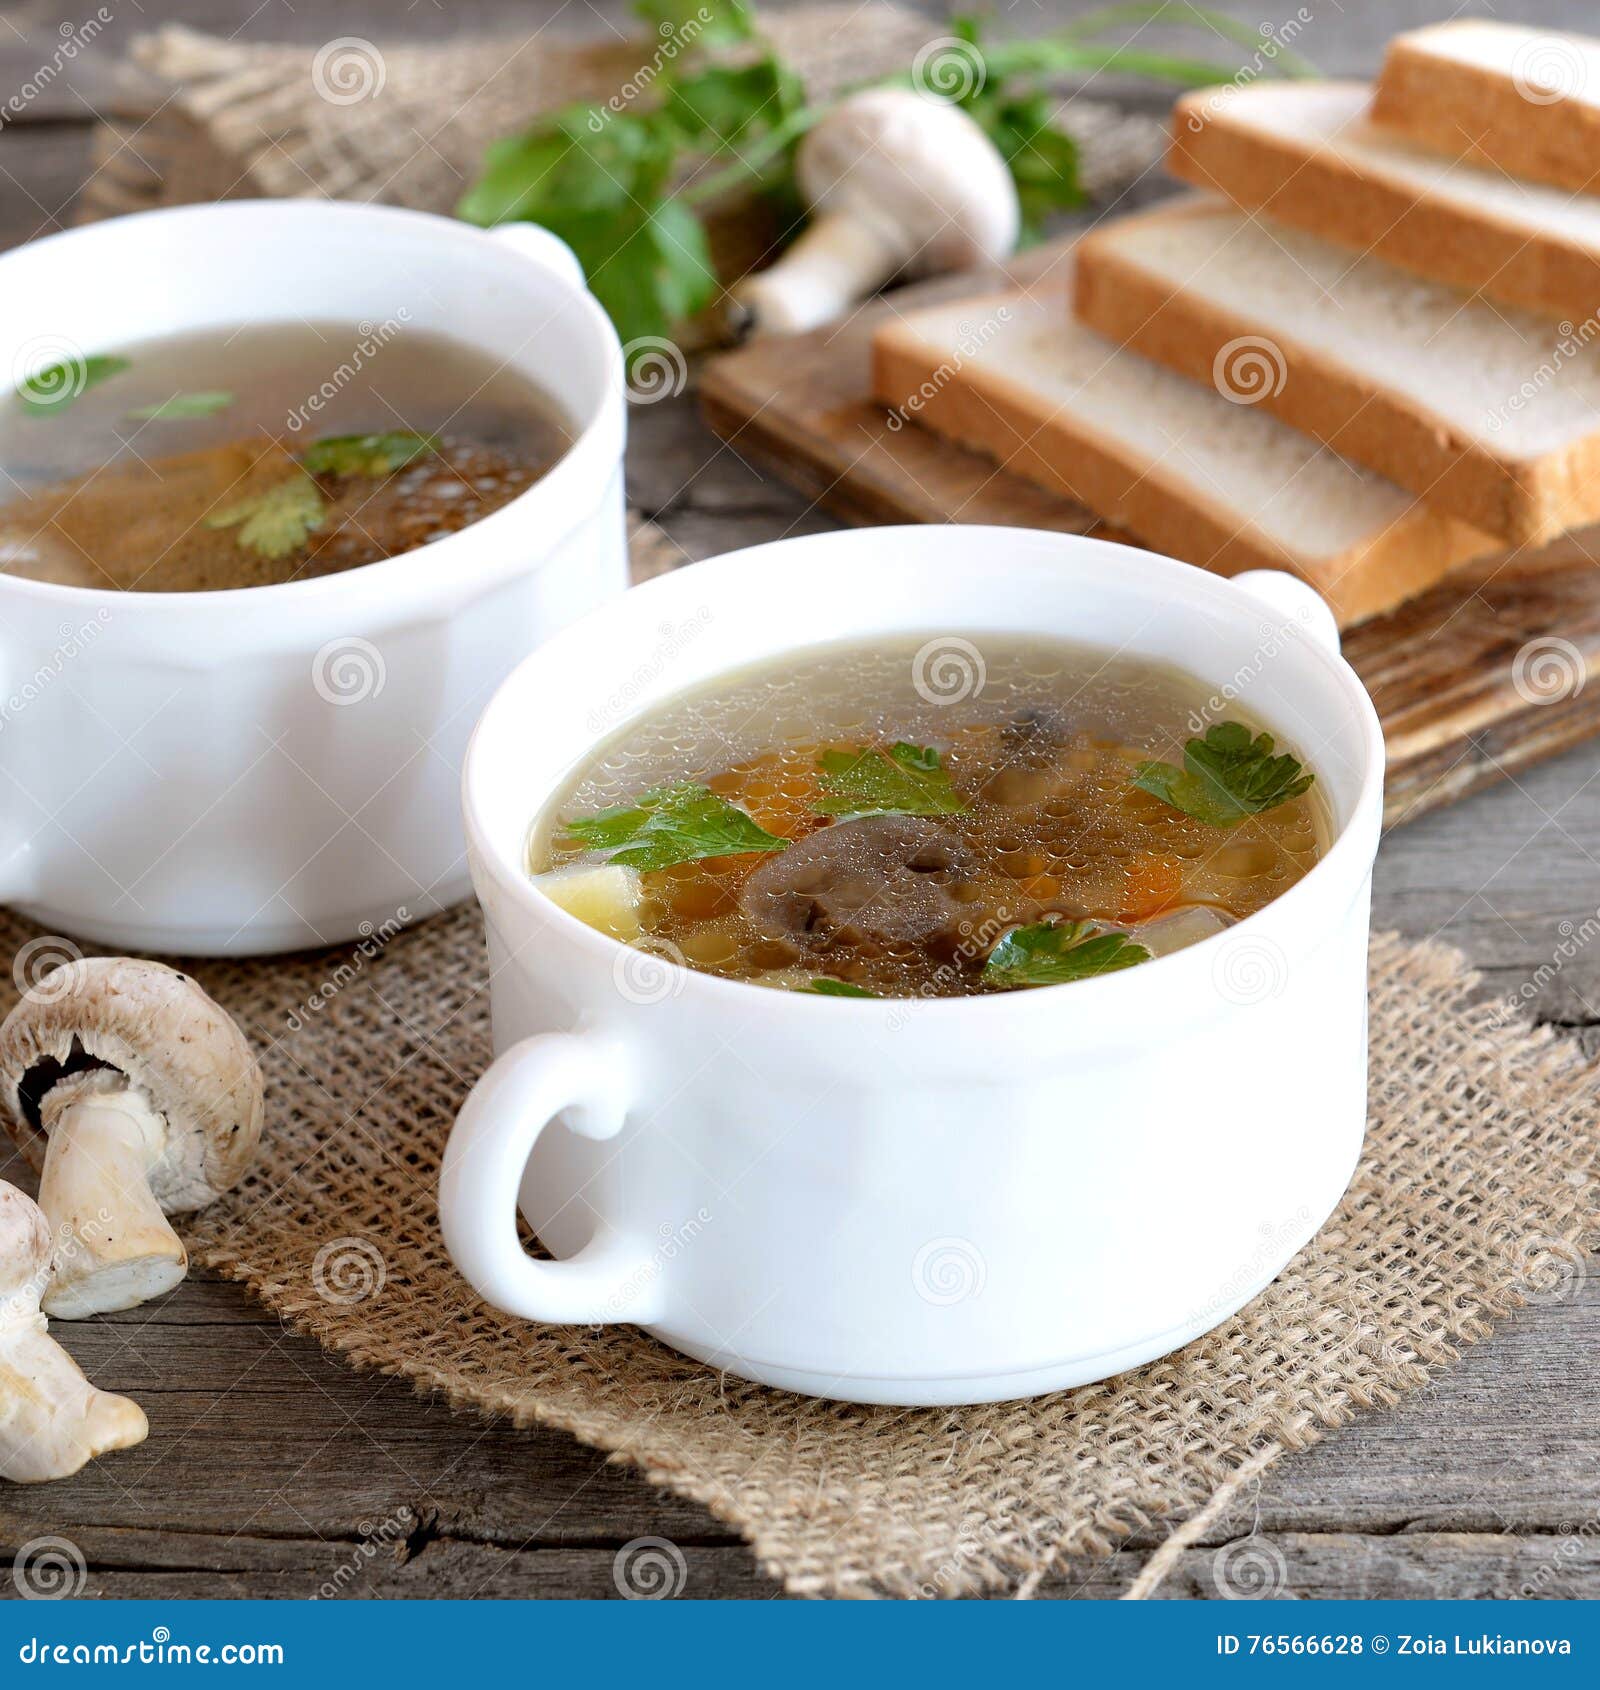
923, 832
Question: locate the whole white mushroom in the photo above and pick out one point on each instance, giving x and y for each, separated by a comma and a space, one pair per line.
52, 1420
136, 1096
899, 183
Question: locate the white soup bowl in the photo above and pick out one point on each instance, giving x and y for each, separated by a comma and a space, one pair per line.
901, 1201
272, 767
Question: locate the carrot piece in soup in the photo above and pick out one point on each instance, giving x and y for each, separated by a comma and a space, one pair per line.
1154, 884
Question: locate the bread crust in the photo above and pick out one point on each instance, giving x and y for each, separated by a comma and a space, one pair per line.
1476, 113
1328, 193
991, 413
1526, 501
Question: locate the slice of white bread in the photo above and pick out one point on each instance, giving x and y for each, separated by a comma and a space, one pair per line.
1174, 463
1488, 412
1307, 154
1518, 98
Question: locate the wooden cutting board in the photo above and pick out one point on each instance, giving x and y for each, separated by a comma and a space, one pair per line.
1492, 670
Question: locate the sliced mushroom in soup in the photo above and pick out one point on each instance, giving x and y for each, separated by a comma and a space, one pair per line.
931, 817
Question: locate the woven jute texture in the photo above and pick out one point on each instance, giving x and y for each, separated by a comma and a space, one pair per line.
374, 120
1477, 1192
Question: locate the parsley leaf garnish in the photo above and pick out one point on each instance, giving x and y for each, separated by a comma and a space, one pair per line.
181, 406
909, 781
600, 179
1053, 953
724, 103
672, 824
276, 522
826, 988
366, 454
55, 386
1226, 776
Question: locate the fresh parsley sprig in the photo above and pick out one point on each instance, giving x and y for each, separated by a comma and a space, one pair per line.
278, 520
669, 825
624, 183
54, 387
825, 987
1054, 953
1226, 776
367, 454
179, 407
907, 780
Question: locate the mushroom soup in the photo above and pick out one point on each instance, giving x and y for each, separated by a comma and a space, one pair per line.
254, 455
930, 817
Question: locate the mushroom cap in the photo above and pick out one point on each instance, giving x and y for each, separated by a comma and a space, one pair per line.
24, 1245
170, 1041
876, 881
919, 171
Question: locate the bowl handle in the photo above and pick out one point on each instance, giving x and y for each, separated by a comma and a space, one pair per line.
1295, 603
611, 1278
548, 251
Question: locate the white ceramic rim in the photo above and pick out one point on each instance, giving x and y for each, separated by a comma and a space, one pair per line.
426, 574
1349, 857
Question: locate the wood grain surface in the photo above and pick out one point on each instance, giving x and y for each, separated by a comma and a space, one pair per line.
273, 1470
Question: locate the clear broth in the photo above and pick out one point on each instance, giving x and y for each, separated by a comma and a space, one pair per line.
97, 496
1043, 754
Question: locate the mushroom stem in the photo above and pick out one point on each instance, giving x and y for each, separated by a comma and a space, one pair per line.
113, 1246
52, 1419
838, 259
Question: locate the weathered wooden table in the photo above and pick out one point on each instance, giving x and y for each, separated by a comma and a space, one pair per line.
269, 1465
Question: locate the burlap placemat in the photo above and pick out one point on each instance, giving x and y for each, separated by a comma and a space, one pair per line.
207, 118
1477, 1192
